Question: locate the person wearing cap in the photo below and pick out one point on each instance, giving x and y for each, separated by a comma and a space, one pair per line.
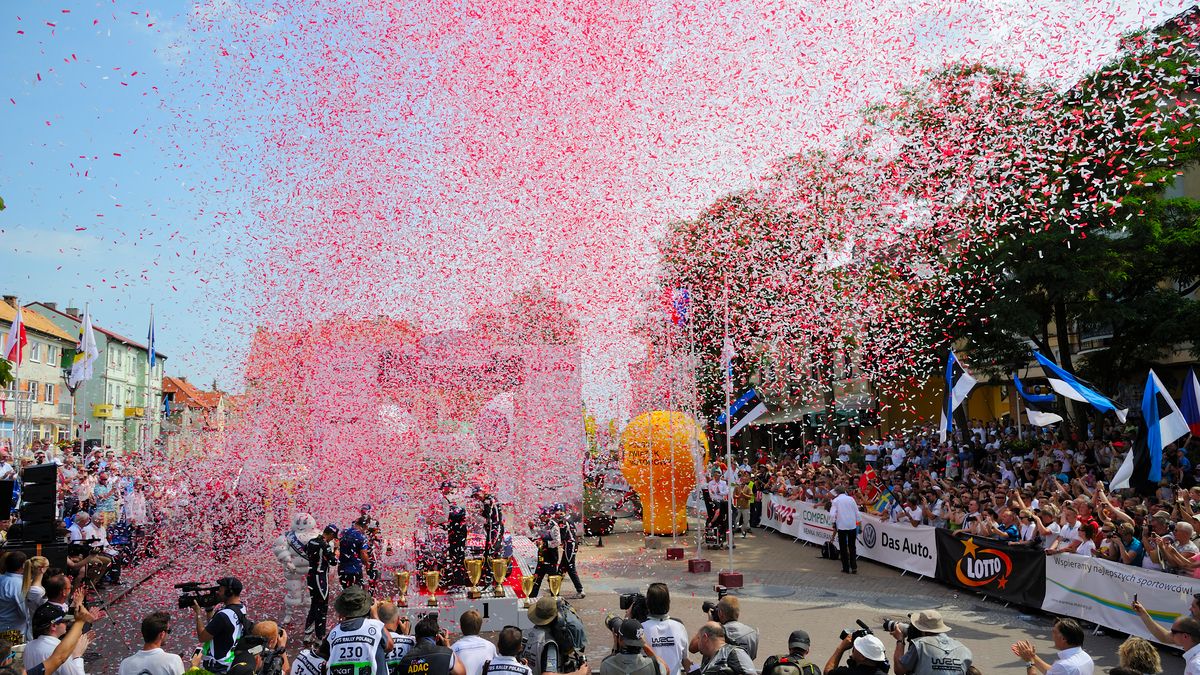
151, 659
549, 539
49, 626
719, 656
248, 655
1068, 640
667, 636
319, 551
631, 655
360, 643
570, 542
354, 553
65, 657
224, 627
799, 644
432, 654
867, 656
929, 650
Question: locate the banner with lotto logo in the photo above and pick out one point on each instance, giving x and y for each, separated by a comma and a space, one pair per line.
899, 545
801, 520
1102, 591
1012, 573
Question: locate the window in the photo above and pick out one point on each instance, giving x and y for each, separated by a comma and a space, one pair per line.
49, 393
52, 357
35, 351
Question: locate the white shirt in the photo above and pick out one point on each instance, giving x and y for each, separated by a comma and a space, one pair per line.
74, 533
152, 662
1072, 661
40, 649
844, 511
474, 651
669, 640
1049, 539
6, 470
1067, 534
1192, 660
1088, 548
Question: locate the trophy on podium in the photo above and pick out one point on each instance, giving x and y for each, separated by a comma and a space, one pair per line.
499, 574
402, 586
554, 582
432, 579
474, 571
527, 586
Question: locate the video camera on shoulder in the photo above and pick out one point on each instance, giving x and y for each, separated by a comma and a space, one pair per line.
863, 631
199, 593
709, 607
635, 603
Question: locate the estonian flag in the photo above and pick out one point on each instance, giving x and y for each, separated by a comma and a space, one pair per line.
1162, 424
958, 384
1069, 386
1191, 402
1036, 417
743, 411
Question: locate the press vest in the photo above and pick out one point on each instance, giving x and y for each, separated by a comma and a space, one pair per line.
427, 658
401, 645
940, 655
238, 619
308, 663
506, 665
356, 648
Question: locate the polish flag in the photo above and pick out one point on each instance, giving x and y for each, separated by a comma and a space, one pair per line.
14, 346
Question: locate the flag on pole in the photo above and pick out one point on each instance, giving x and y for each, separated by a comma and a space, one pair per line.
14, 346
1190, 402
1031, 398
1069, 386
728, 352
86, 353
743, 411
1164, 425
958, 384
150, 339
1032, 404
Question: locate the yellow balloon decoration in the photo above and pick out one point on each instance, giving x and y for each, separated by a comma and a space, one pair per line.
673, 442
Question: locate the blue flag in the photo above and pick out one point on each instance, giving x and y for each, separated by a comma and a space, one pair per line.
1069, 386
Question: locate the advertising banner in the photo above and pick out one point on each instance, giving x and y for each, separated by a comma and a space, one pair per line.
899, 544
1012, 573
801, 520
1101, 591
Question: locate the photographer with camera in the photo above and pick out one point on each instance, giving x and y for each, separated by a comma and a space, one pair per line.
867, 654
360, 641
666, 636
399, 628
557, 642
432, 655
66, 652
221, 630
930, 651
631, 655
726, 612
275, 659
719, 656
795, 662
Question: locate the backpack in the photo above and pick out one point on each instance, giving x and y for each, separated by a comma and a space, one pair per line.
786, 665
829, 551
572, 628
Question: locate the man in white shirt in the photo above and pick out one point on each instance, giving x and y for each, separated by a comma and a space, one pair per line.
1185, 633
49, 625
843, 454
1068, 640
152, 660
6, 468
472, 650
843, 510
666, 636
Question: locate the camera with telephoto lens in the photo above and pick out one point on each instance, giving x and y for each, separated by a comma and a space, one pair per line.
906, 628
709, 607
613, 623
863, 631
199, 593
635, 604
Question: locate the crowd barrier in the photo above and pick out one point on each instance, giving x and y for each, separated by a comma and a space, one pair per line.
1087, 588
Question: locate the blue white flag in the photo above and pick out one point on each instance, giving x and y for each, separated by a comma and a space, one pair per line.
1164, 424
1189, 404
1067, 385
1035, 399
150, 339
743, 411
958, 384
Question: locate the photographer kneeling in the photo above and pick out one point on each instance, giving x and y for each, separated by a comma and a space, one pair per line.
867, 656
720, 657
930, 651
631, 655
726, 613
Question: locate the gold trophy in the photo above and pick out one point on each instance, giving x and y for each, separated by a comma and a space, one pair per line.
402, 586
499, 574
474, 571
432, 578
554, 581
527, 586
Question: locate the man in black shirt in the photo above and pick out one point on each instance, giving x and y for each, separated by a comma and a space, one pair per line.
319, 551
432, 654
570, 543
224, 628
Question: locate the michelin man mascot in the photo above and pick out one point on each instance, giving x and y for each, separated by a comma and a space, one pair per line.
289, 550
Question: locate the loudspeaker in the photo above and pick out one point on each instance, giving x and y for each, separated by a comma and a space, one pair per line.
39, 502
6, 498
55, 552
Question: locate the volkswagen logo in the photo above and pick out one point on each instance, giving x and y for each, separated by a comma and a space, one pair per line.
868, 535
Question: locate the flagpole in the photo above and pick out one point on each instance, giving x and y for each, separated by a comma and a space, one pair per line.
17, 451
671, 431
728, 441
695, 404
1020, 433
146, 398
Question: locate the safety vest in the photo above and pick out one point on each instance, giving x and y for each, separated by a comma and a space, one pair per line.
308, 663
238, 619
401, 645
426, 659
353, 646
940, 655
506, 665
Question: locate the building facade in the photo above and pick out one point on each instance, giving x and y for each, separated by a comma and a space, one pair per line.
41, 381
120, 407
193, 419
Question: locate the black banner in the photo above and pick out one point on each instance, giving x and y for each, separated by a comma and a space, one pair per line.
994, 568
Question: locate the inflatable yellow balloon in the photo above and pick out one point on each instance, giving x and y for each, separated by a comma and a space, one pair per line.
672, 442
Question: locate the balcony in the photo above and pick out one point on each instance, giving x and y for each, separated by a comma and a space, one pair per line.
102, 410
134, 412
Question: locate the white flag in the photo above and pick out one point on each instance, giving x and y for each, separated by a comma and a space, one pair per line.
1121, 479
86, 353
